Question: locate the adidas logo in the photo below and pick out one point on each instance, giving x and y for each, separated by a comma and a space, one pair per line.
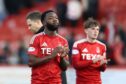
44, 44
85, 50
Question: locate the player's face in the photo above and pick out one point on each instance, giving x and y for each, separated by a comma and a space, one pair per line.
33, 25
93, 32
52, 21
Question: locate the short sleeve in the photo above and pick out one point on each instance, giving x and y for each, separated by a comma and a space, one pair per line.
75, 50
34, 46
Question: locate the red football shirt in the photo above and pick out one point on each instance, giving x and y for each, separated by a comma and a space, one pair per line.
82, 55
41, 45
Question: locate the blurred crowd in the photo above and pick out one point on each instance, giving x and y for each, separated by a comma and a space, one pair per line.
72, 15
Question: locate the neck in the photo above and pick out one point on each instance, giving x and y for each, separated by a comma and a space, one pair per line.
91, 40
50, 33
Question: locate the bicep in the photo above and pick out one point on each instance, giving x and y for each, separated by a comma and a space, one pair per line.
78, 62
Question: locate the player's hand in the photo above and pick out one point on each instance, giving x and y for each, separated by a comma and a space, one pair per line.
98, 59
63, 54
65, 51
57, 50
104, 61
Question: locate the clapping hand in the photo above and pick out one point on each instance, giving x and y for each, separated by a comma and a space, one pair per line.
65, 51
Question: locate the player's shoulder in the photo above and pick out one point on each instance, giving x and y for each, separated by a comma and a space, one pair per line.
100, 43
61, 37
79, 42
39, 34
36, 36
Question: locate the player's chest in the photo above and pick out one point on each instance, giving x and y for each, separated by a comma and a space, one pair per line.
90, 52
47, 45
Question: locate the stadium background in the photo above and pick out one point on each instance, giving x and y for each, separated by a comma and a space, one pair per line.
15, 36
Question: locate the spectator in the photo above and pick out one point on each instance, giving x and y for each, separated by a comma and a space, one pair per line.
3, 13
92, 9
122, 33
61, 10
117, 51
12, 6
74, 11
23, 58
6, 53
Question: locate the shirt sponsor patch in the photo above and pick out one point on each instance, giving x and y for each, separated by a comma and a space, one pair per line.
75, 51
31, 49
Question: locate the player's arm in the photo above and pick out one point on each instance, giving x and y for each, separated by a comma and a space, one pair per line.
103, 61
34, 52
64, 63
35, 60
78, 63
103, 67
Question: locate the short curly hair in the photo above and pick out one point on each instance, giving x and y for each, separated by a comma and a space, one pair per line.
91, 23
45, 13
